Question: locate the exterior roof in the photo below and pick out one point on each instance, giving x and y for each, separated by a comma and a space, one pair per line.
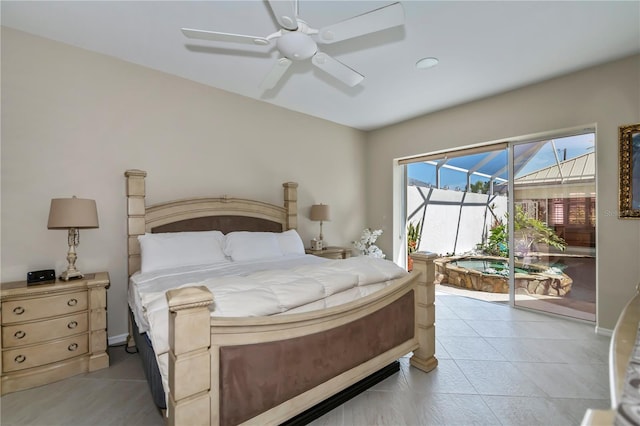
576, 170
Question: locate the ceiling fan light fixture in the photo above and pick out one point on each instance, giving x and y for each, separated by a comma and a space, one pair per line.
297, 46
425, 63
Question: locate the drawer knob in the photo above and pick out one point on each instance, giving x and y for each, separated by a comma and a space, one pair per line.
20, 359
19, 334
72, 302
72, 347
18, 310
72, 324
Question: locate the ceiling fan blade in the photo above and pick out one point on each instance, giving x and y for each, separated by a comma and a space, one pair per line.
337, 69
370, 22
217, 36
285, 12
275, 74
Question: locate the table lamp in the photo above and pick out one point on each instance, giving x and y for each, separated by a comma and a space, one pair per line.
320, 212
72, 214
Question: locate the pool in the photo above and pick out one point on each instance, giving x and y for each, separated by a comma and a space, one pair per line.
491, 274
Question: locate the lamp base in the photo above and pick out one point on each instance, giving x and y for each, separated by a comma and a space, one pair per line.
71, 275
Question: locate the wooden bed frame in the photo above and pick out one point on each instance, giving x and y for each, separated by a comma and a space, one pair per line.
216, 364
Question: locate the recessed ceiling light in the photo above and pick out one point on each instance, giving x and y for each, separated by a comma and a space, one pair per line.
427, 63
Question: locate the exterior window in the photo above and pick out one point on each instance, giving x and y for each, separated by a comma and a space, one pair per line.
577, 211
557, 211
580, 211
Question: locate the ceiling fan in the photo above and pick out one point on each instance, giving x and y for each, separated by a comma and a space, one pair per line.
297, 41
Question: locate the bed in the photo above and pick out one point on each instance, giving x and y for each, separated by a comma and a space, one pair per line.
267, 369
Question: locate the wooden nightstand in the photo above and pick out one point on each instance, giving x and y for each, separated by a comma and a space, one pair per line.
52, 331
331, 252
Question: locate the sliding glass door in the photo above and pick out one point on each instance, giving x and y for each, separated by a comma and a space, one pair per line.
511, 223
552, 221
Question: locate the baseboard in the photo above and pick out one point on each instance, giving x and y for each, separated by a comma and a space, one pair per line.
604, 331
116, 340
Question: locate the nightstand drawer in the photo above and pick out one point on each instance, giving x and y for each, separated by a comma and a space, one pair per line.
43, 307
36, 355
41, 331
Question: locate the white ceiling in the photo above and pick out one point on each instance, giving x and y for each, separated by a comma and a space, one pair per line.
484, 48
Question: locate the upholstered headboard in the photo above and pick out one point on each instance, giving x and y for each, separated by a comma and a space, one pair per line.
202, 214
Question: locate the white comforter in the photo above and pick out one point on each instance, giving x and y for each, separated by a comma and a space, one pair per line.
144, 288
310, 285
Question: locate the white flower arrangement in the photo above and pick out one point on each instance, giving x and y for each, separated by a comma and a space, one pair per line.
366, 244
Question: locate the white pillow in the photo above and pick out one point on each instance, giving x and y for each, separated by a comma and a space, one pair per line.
290, 242
172, 249
245, 245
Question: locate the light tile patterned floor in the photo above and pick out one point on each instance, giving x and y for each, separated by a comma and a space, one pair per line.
497, 366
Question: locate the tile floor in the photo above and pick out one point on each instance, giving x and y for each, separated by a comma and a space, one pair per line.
497, 366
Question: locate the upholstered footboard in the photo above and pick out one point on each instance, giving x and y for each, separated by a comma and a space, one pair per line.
265, 370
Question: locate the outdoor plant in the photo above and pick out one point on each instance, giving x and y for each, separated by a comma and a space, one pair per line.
366, 244
414, 232
529, 232
497, 241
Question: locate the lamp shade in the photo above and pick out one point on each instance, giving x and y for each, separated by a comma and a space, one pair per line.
320, 212
72, 213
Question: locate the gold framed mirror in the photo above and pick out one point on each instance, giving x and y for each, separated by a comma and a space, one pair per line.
629, 174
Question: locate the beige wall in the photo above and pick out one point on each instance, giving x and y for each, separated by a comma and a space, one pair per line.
606, 96
73, 121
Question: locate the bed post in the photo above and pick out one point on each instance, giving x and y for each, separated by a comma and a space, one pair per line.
190, 363
135, 216
135, 227
424, 357
291, 204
